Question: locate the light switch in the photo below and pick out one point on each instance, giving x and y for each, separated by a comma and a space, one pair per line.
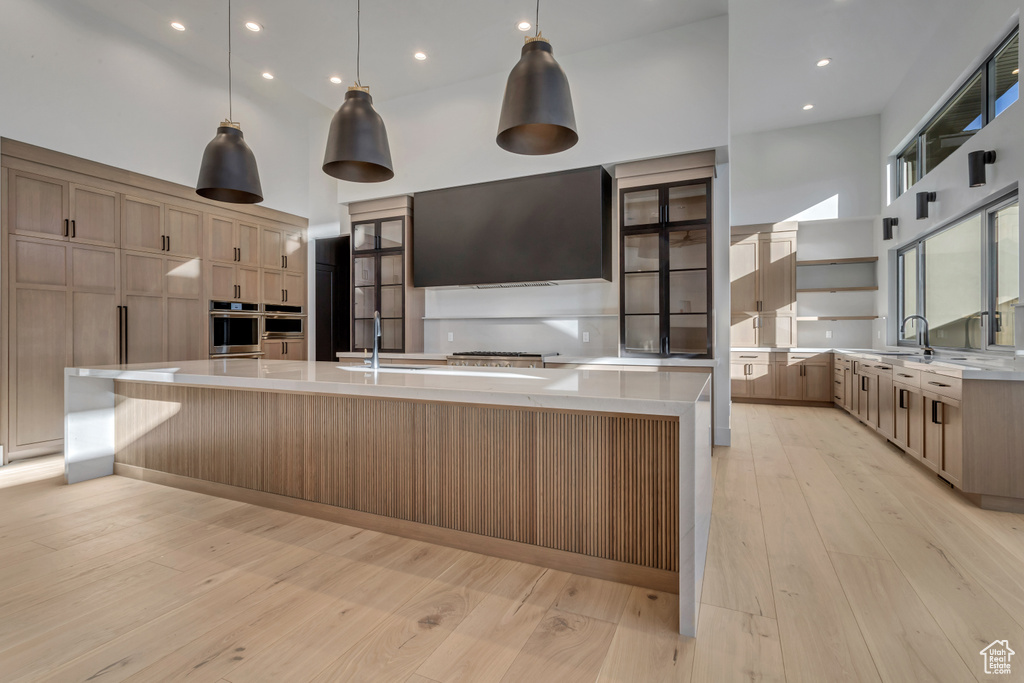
586, 337
828, 334
451, 336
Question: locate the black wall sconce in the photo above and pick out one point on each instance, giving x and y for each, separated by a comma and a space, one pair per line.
923, 199
887, 225
976, 162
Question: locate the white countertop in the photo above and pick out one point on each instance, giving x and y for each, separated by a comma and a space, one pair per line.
343, 355
972, 367
617, 360
645, 393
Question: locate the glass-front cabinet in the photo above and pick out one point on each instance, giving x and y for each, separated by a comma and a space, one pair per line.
378, 283
666, 307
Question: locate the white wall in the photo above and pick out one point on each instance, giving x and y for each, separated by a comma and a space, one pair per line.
72, 83
958, 49
661, 95
820, 171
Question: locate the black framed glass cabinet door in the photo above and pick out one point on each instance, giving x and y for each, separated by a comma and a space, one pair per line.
378, 283
665, 283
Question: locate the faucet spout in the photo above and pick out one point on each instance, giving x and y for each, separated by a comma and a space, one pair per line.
923, 335
374, 361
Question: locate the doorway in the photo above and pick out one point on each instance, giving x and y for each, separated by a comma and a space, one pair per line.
332, 297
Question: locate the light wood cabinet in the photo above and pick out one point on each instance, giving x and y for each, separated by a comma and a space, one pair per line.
762, 271
183, 228
142, 224
943, 437
908, 419
800, 377
56, 209
294, 349
233, 241
234, 283
164, 316
282, 249
752, 378
39, 206
280, 287
95, 302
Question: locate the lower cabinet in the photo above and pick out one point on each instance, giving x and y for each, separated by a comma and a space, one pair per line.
755, 379
943, 437
275, 349
908, 419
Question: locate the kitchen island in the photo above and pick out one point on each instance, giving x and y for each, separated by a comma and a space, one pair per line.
602, 473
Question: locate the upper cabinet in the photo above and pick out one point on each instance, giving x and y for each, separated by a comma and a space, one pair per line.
762, 270
56, 209
282, 249
232, 241
153, 226
666, 300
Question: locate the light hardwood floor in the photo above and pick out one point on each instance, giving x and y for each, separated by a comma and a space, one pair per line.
832, 558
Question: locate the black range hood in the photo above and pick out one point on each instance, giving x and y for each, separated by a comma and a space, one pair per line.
554, 227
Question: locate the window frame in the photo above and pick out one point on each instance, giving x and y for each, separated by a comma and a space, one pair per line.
988, 277
987, 71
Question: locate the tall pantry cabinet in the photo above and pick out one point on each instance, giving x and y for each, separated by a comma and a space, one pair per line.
101, 266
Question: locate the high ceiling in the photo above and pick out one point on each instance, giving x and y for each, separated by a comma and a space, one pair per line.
306, 41
774, 46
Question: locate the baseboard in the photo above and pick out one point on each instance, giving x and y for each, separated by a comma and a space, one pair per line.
610, 570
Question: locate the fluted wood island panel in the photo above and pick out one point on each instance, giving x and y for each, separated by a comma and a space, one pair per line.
599, 485
602, 473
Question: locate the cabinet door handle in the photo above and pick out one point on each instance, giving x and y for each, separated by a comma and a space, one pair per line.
66, 233
125, 312
120, 335
286, 295
939, 384
282, 262
902, 404
72, 227
935, 412
168, 243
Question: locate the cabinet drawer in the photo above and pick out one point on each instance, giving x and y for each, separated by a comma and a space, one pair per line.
907, 377
882, 369
941, 384
751, 357
838, 370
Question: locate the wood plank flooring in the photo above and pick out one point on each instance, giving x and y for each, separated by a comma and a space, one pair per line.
832, 558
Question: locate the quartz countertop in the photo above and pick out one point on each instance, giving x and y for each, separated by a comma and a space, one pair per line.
646, 393
359, 355
951, 364
708, 363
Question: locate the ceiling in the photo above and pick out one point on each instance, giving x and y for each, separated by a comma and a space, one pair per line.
774, 46
305, 42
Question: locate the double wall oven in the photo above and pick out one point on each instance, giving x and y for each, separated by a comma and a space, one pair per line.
238, 329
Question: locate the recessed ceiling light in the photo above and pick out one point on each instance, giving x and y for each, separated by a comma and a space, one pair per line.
177, 26
808, 107
420, 56
825, 61
335, 80
267, 75
524, 26
253, 26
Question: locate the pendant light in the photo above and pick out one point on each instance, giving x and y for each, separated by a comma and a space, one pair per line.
357, 143
228, 172
536, 113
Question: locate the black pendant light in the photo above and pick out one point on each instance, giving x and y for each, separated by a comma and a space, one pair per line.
228, 172
357, 143
536, 113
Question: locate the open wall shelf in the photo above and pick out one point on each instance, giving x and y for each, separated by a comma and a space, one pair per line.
814, 318
837, 289
838, 261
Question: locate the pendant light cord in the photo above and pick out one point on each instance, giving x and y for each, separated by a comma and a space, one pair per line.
358, 38
536, 21
230, 108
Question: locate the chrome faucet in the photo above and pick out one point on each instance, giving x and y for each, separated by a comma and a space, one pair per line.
374, 361
928, 350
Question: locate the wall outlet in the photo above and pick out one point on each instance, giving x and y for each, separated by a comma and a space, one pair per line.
586, 337
879, 334
451, 336
828, 334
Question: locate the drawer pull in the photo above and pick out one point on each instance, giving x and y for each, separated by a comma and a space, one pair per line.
939, 384
748, 356
900, 374
883, 367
